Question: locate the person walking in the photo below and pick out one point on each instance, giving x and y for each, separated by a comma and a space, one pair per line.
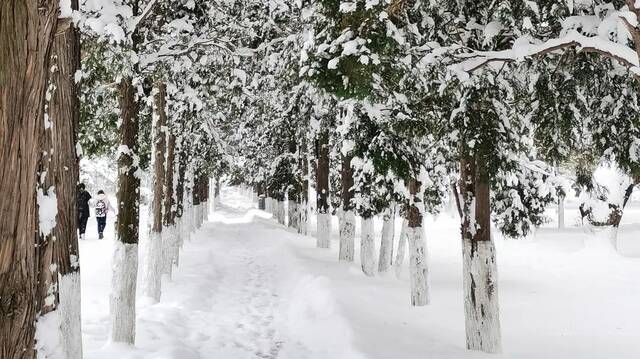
103, 206
82, 202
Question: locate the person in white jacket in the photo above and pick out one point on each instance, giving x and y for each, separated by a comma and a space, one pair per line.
103, 206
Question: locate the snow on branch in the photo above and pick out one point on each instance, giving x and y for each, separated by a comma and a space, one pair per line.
523, 49
145, 14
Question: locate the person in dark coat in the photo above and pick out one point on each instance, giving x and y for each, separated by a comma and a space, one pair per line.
82, 202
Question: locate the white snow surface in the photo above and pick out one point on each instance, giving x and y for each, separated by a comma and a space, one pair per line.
250, 288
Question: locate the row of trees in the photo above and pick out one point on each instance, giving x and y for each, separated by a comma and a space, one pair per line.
390, 106
406, 107
136, 61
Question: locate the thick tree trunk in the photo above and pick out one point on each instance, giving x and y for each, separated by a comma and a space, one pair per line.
59, 265
26, 37
347, 223
418, 265
367, 247
125, 257
480, 275
402, 249
322, 182
152, 283
386, 241
64, 111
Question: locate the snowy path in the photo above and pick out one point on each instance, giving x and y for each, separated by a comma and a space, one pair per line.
239, 293
248, 288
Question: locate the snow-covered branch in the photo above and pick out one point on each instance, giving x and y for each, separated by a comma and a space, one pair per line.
145, 14
523, 49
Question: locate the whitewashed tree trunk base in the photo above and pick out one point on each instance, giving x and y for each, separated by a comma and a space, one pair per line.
367, 247
324, 230
418, 266
561, 213
70, 315
169, 242
293, 214
151, 279
386, 243
123, 293
281, 213
482, 317
402, 249
304, 218
347, 236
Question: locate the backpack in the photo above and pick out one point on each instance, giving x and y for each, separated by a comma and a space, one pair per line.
101, 208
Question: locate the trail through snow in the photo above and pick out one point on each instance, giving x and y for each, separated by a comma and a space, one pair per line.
239, 293
249, 288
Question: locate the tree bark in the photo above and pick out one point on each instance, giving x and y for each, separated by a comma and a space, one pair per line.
367, 247
26, 37
386, 240
170, 243
59, 265
125, 257
347, 221
402, 249
322, 181
152, 284
480, 275
418, 265
304, 190
65, 111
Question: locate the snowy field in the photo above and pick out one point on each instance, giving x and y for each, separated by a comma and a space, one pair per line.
249, 288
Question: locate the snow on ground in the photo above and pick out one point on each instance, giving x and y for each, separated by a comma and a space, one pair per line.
249, 288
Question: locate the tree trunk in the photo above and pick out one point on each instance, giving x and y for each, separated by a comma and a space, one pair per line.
386, 241
216, 198
125, 257
65, 105
294, 215
367, 247
480, 275
561, 212
281, 211
169, 240
348, 218
418, 265
152, 284
180, 201
402, 249
59, 265
261, 196
322, 181
196, 203
304, 190
26, 37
